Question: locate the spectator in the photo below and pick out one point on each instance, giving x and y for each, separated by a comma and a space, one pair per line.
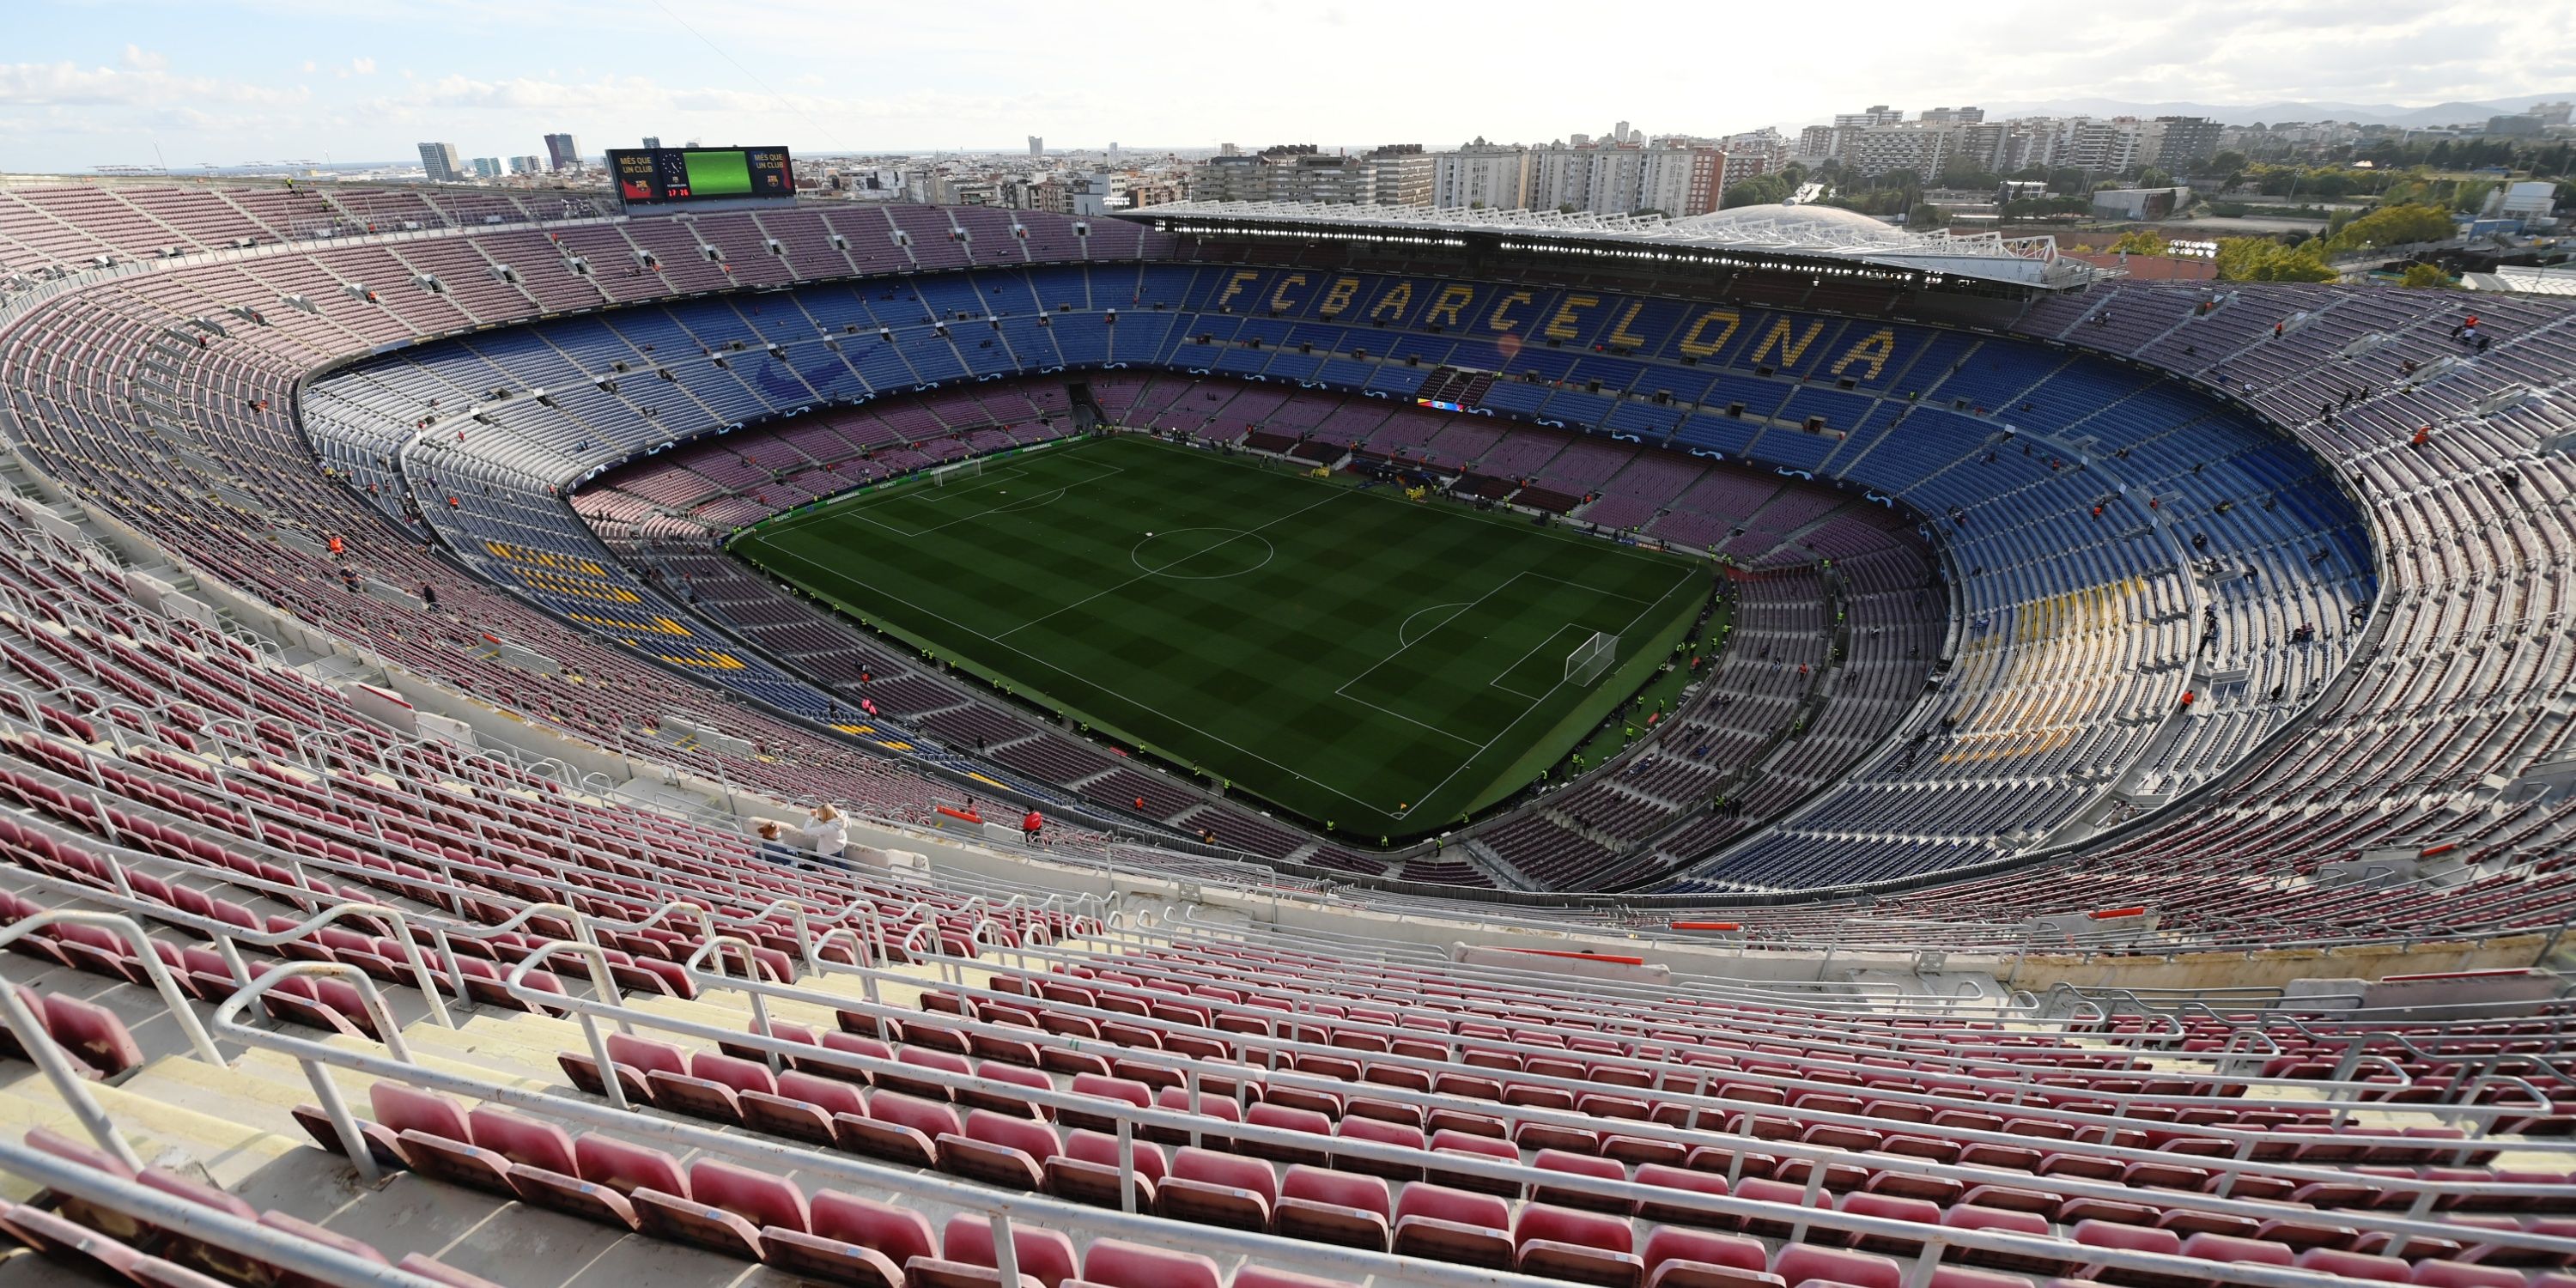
829, 834
776, 849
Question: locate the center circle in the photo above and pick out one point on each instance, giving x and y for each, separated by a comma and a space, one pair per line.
1202, 554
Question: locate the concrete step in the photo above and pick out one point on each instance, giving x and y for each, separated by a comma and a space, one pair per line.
160, 1131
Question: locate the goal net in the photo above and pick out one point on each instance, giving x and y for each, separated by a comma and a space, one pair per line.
1586, 663
959, 472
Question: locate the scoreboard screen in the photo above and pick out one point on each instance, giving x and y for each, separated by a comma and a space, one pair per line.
667, 176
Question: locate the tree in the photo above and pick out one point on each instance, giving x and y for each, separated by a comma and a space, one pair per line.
1760, 190
2153, 178
1923, 216
2142, 242
1959, 173
2261, 259
2394, 226
2426, 277
2227, 162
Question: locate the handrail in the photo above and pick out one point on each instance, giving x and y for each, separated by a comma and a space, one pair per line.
1044, 1212
172, 995
318, 1261
63, 1073
1195, 1071
2424, 1192
1963, 1066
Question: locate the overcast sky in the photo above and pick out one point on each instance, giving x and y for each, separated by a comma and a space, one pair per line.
88, 82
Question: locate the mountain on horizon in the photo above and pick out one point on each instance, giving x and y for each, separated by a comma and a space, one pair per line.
2450, 113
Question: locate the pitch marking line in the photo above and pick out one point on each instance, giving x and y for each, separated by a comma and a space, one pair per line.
843, 576
858, 507
1111, 590
1552, 637
1005, 475
1625, 632
1400, 638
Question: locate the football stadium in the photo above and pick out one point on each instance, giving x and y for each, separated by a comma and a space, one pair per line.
694, 733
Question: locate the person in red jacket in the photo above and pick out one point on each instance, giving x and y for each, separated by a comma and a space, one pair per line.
1029, 825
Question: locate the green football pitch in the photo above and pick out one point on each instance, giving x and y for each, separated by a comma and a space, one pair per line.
1343, 653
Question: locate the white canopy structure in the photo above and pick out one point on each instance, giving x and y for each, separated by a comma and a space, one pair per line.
1800, 235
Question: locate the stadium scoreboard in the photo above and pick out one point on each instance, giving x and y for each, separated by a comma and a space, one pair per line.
677, 176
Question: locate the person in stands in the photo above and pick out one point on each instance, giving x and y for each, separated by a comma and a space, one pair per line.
1030, 824
827, 835
775, 847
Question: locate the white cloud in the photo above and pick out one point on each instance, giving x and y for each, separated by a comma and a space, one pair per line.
821, 75
66, 84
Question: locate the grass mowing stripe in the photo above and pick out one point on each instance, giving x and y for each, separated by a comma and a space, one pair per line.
1331, 650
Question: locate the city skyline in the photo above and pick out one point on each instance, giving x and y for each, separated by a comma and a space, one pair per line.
213, 85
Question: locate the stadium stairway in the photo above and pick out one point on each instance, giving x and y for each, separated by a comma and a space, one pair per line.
235, 1128
247, 1129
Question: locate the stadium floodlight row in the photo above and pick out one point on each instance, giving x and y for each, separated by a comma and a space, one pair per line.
1821, 238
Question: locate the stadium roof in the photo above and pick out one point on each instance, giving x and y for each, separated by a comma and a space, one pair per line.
2527, 280
1799, 232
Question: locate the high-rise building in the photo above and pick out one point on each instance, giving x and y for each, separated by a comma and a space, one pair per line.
1742, 164
527, 165
487, 167
2099, 146
1878, 114
1878, 149
1984, 145
1673, 177
1680, 181
1037, 146
1953, 116
1077, 194
2185, 141
439, 161
1295, 172
652, 140
1323, 177
1481, 176
1398, 174
562, 153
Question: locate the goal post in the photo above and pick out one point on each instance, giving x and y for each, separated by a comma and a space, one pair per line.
970, 468
1586, 663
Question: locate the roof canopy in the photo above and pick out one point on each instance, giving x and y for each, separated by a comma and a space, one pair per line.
1825, 233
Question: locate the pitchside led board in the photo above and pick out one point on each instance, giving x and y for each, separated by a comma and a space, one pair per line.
678, 176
